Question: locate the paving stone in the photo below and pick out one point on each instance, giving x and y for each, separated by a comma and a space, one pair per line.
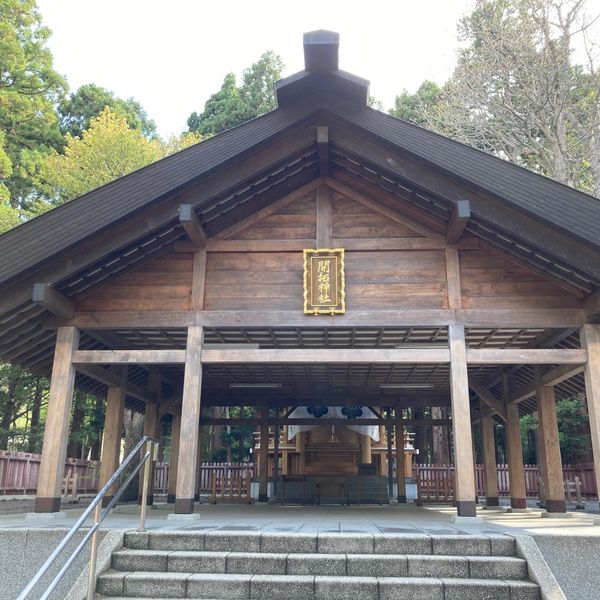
475, 589
377, 565
438, 566
503, 545
176, 540
275, 541
156, 585
136, 540
461, 545
197, 562
140, 560
497, 567
290, 587
316, 564
110, 584
228, 541
224, 587
524, 590
255, 563
345, 543
409, 588
342, 588
402, 544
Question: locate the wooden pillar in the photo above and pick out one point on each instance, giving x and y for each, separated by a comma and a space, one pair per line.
198, 465
324, 227
300, 442
276, 434
461, 423
548, 423
389, 455
400, 467
190, 421
151, 429
263, 455
489, 461
590, 340
366, 457
56, 433
174, 458
514, 450
111, 438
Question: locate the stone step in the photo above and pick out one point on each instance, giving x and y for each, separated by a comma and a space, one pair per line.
322, 543
356, 565
297, 587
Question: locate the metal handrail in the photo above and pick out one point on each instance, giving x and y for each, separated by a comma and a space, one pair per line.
99, 516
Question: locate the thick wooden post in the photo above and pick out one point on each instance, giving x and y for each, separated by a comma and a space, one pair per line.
174, 458
151, 425
263, 455
56, 433
548, 424
300, 464
489, 461
198, 465
461, 423
366, 457
111, 438
590, 340
190, 420
400, 468
514, 449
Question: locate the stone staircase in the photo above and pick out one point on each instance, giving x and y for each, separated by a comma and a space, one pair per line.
227, 565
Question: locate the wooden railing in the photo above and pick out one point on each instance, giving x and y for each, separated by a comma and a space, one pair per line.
436, 473
207, 471
19, 473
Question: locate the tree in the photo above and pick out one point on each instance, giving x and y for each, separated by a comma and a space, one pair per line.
414, 107
107, 150
29, 90
77, 111
233, 105
517, 93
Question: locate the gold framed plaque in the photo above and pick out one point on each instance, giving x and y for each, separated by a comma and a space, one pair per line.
324, 282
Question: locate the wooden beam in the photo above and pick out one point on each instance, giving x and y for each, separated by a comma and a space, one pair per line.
461, 213
527, 391
592, 304
276, 398
112, 379
216, 245
323, 146
488, 398
324, 215
325, 422
188, 219
497, 318
114, 357
393, 215
47, 297
325, 355
198, 280
270, 209
527, 356
560, 374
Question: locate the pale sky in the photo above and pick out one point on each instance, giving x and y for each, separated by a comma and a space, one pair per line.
170, 56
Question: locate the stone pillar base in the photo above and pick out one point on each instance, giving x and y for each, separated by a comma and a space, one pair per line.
263, 498
518, 503
466, 508
401, 499
171, 498
492, 501
184, 506
556, 506
45, 516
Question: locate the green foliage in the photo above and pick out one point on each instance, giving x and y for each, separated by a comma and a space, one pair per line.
233, 105
77, 111
528, 425
107, 150
29, 90
571, 420
414, 107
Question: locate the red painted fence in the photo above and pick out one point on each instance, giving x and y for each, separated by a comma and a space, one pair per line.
585, 472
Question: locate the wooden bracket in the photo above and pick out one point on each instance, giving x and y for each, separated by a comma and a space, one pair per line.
488, 398
47, 297
461, 213
323, 145
190, 222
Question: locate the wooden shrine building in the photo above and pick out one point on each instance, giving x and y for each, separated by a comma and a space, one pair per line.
446, 278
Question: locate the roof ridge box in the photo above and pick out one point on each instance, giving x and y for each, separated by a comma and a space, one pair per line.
321, 51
